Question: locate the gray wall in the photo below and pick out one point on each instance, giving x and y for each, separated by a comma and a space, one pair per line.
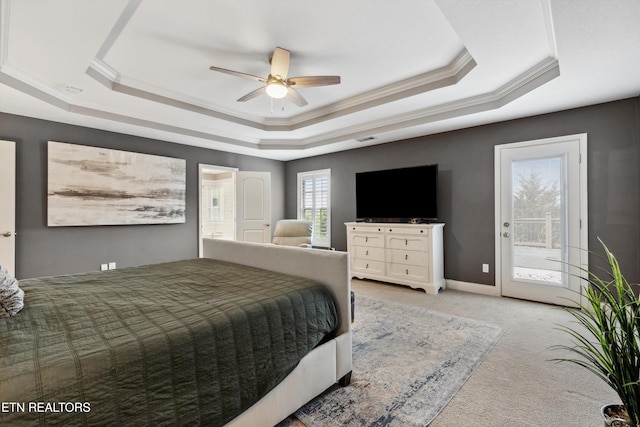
466, 182
466, 200
42, 250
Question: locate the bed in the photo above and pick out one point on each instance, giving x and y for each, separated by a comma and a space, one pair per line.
242, 337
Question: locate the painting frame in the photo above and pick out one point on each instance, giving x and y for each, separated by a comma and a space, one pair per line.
95, 186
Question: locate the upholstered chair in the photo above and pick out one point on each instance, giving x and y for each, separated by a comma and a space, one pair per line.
293, 232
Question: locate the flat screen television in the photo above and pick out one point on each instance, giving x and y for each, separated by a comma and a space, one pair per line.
398, 195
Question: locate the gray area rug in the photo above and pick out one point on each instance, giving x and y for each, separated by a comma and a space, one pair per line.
408, 362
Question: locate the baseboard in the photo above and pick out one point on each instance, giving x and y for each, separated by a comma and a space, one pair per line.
475, 288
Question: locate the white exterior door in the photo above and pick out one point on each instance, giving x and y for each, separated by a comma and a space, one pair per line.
8, 205
253, 206
541, 224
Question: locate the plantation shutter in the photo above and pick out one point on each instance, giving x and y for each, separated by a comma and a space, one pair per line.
314, 204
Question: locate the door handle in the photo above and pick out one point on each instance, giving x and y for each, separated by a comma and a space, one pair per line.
506, 234
6, 234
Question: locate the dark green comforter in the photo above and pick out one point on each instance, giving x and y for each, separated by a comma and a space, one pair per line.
181, 343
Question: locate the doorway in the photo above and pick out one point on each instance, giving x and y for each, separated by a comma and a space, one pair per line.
233, 204
541, 219
8, 206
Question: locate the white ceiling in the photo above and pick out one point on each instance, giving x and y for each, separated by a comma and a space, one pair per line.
408, 67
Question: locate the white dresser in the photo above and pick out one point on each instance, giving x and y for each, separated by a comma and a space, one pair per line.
406, 254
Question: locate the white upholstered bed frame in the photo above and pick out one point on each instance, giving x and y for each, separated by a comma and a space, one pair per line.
326, 364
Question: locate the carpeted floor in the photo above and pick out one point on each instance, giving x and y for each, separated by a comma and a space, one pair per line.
516, 385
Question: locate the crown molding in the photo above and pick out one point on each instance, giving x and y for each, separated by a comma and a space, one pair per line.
25, 83
534, 77
448, 75
112, 79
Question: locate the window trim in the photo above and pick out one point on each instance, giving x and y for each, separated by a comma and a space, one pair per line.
302, 176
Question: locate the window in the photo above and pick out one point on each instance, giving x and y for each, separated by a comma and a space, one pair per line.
314, 204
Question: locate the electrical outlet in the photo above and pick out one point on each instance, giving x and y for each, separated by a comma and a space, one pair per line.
485, 268
112, 265
104, 267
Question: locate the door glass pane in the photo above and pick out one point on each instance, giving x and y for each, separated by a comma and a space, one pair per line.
539, 224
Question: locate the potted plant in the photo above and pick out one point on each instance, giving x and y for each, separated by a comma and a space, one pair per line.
608, 341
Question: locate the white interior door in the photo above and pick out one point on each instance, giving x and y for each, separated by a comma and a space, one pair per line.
541, 208
253, 206
8, 205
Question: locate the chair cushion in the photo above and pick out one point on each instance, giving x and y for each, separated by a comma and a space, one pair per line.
292, 232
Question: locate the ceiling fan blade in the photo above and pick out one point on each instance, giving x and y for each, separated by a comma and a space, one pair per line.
296, 98
253, 94
237, 73
313, 81
280, 63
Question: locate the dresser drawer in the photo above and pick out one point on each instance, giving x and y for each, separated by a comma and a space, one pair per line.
370, 240
405, 257
367, 253
367, 266
365, 229
408, 272
407, 230
412, 243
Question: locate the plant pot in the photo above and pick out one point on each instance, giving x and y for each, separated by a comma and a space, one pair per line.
615, 416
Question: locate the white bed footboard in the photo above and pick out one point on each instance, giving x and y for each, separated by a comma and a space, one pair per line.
325, 365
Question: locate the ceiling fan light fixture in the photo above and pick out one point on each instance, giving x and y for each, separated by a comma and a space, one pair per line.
276, 89
277, 85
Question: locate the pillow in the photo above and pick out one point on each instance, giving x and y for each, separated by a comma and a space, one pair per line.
11, 296
293, 232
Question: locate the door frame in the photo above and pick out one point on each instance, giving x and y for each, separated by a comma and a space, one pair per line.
583, 195
202, 167
8, 205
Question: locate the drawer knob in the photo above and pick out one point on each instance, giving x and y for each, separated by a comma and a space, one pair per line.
366, 239
407, 271
366, 266
406, 256
367, 253
406, 242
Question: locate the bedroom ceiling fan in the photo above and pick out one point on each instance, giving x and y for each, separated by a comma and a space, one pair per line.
277, 85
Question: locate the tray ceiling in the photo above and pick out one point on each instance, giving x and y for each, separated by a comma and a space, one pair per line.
408, 68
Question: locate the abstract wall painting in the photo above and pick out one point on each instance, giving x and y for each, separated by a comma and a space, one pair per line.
99, 186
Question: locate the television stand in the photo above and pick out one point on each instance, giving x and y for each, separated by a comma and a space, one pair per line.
405, 254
